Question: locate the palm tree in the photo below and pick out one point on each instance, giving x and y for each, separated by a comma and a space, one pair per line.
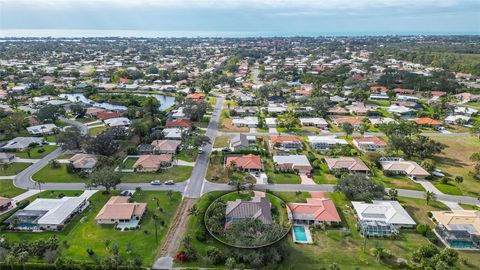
378, 253
5, 167
11, 260
430, 196
193, 211
169, 194
22, 258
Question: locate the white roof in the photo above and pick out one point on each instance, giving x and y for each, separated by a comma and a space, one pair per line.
246, 120
326, 140
454, 118
270, 120
172, 132
398, 109
387, 211
22, 142
58, 210
381, 120
314, 120
119, 121
298, 160
41, 128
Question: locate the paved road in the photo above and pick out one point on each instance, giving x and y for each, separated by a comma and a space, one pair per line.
194, 187
256, 71
462, 134
83, 128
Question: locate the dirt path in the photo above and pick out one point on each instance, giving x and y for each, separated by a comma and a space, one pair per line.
177, 228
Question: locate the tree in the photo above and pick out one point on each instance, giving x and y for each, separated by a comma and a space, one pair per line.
169, 194
459, 179
71, 139
379, 253
105, 177
393, 194
5, 167
430, 196
193, 211
78, 109
103, 144
230, 263
49, 113
320, 105
194, 110
359, 187
347, 128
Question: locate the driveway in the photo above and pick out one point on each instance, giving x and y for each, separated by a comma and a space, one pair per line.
306, 180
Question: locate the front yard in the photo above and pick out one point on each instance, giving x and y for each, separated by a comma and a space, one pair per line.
221, 142
57, 175
37, 152
83, 233
96, 130
177, 174
8, 190
13, 168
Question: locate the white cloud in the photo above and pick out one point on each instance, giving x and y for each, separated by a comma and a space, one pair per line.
233, 4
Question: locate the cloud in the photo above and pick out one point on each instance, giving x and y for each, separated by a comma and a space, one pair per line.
235, 4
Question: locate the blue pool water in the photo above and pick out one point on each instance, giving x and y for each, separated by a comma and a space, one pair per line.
460, 244
300, 233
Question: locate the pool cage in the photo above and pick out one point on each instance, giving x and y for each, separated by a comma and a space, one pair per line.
459, 236
372, 228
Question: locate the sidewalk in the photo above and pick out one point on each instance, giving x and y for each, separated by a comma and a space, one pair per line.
25, 160
428, 186
26, 195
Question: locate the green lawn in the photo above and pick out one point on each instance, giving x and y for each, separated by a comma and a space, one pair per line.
35, 154
13, 168
397, 181
221, 142
283, 178
8, 190
83, 233
58, 175
178, 174
449, 188
128, 164
188, 155
96, 130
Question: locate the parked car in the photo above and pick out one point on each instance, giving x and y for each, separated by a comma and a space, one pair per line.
156, 182
200, 151
438, 173
125, 193
226, 149
170, 182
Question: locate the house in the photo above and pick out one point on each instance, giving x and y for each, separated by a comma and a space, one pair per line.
165, 146
337, 110
172, 133
47, 214
249, 121
458, 229
271, 122
457, 119
286, 142
179, 114
85, 162
92, 112
400, 166
358, 108
103, 115
322, 143
370, 143
152, 163
298, 163
355, 121
314, 121
399, 110
465, 111
118, 210
381, 120
5, 203
180, 123
425, 121
245, 163
467, 97
347, 164
258, 208
244, 111
314, 211
198, 97
242, 142
122, 122
382, 218
276, 109
40, 130
22, 143
6, 157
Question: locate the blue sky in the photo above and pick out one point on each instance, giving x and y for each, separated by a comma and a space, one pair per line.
301, 16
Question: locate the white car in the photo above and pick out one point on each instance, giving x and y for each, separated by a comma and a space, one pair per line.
156, 182
438, 173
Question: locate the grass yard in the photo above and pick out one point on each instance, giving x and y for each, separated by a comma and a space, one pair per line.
128, 164
35, 154
188, 155
58, 175
283, 178
96, 130
8, 190
177, 174
13, 168
449, 188
221, 142
454, 161
321, 176
83, 233
399, 182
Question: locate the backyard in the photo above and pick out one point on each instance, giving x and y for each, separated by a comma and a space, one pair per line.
96, 130
37, 152
13, 168
57, 175
83, 233
221, 142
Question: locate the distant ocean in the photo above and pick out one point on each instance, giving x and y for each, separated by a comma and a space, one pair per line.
78, 33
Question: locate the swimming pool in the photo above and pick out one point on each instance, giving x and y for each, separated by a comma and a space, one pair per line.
300, 234
461, 244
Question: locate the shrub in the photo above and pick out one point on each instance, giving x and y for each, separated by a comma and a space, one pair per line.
41, 150
422, 229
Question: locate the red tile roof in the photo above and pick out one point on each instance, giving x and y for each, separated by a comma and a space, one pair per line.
428, 121
280, 139
245, 162
404, 91
303, 92
318, 209
107, 115
179, 123
371, 139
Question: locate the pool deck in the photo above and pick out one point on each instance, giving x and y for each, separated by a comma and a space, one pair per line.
307, 232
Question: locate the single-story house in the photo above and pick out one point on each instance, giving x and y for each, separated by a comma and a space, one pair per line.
380, 120
180, 123
286, 142
425, 121
457, 119
257, 208
314, 121
172, 133
337, 110
152, 163
119, 210
5, 203
92, 111
355, 121
244, 111
242, 142
276, 109
298, 163
250, 121
382, 218
245, 163
314, 211
47, 214
84, 161
6, 157
103, 115
322, 143
465, 111
165, 146
370, 143
458, 229
21, 143
401, 166
179, 114
271, 122
40, 130
118, 122
399, 110
347, 164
